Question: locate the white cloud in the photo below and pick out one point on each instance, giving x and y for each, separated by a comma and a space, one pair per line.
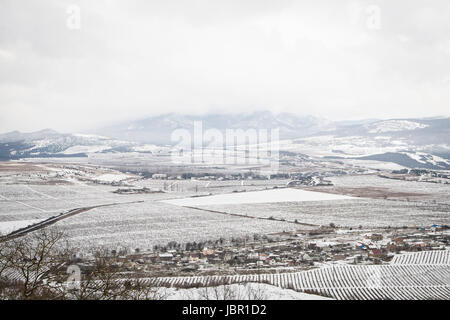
136, 58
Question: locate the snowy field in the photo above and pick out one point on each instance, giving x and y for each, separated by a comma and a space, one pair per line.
143, 225
9, 226
265, 196
435, 191
324, 208
247, 291
346, 213
27, 197
136, 225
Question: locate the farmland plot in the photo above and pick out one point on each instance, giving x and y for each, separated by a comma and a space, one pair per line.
349, 213
10, 226
154, 222
146, 224
438, 192
188, 188
253, 197
12, 210
424, 257
29, 202
398, 281
54, 198
135, 225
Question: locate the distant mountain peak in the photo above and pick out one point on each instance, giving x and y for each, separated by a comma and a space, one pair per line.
158, 129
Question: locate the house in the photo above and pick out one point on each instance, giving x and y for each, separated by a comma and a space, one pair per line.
253, 256
435, 227
376, 237
361, 246
275, 257
375, 252
194, 257
166, 256
393, 246
312, 245
398, 240
227, 256
159, 176
263, 256
419, 244
208, 252
306, 257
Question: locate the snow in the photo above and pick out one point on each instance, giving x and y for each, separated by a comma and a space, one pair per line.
350, 146
374, 164
264, 196
39, 144
416, 156
111, 177
324, 244
425, 158
91, 136
10, 226
85, 149
248, 291
146, 148
395, 125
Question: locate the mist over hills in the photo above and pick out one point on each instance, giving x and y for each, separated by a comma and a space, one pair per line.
422, 143
418, 131
158, 129
50, 143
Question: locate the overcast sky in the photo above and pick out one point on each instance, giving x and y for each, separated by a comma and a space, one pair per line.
131, 59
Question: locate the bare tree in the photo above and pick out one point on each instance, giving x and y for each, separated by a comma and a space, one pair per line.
104, 281
4, 263
35, 262
36, 267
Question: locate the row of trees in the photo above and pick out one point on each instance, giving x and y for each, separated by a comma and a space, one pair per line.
192, 246
41, 266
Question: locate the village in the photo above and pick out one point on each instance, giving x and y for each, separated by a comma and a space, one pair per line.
277, 253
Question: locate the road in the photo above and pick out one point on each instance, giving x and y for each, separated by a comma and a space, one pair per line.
52, 220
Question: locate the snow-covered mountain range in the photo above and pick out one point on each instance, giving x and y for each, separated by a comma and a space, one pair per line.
49, 143
421, 143
157, 130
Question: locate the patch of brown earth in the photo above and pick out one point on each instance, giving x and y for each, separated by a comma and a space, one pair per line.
6, 166
369, 192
